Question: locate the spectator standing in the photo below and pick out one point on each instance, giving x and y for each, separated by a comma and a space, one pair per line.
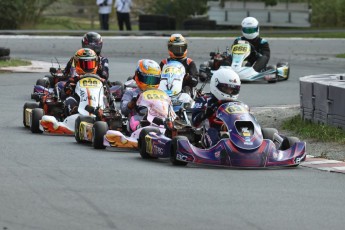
104, 11
123, 9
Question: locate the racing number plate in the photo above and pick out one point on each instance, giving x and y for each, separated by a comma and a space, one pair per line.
234, 109
240, 48
90, 83
155, 95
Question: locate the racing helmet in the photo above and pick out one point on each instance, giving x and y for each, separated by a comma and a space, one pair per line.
172, 77
225, 84
86, 61
147, 74
93, 41
177, 46
250, 28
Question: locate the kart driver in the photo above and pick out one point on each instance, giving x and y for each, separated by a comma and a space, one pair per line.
225, 87
84, 61
147, 76
177, 47
93, 41
260, 54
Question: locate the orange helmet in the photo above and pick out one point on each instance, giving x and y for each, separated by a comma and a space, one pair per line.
86, 61
147, 74
177, 46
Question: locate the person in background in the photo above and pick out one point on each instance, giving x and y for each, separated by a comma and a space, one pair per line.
123, 9
177, 47
260, 54
104, 11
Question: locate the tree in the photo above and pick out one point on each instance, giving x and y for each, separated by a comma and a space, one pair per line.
15, 13
180, 9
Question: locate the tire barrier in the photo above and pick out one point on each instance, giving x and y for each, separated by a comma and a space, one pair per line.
199, 24
4, 54
322, 99
156, 22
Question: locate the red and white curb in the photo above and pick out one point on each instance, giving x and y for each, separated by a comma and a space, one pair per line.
324, 164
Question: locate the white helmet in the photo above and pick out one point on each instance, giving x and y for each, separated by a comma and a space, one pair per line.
225, 84
250, 27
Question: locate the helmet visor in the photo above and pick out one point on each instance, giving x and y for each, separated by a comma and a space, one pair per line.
88, 65
178, 49
149, 79
229, 89
250, 30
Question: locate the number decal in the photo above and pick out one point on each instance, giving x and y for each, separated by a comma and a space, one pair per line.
240, 49
90, 83
235, 109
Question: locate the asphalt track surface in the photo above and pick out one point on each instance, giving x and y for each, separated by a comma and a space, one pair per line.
51, 182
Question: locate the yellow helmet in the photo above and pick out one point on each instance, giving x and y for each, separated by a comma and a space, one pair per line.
147, 74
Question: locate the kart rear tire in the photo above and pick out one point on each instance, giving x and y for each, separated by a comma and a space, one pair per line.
173, 158
80, 119
36, 116
142, 142
99, 130
268, 133
28, 105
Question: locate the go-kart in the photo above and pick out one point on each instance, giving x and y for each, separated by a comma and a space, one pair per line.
239, 54
242, 144
155, 107
89, 89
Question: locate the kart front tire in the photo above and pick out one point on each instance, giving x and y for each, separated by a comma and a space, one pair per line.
142, 142
268, 133
99, 130
36, 116
173, 155
280, 64
28, 105
290, 141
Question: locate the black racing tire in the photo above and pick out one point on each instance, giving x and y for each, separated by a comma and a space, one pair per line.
280, 64
293, 140
173, 150
142, 142
268, 133
28, 105
80, 119
43, 82
36, 116
99, 129
4, 52
5, 58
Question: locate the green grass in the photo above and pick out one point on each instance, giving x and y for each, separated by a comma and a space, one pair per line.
340, 55
319, 132
14, 62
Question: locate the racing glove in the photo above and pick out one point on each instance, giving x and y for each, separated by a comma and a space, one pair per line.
131, 105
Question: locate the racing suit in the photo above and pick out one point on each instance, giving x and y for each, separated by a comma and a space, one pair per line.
191, 77
260, 56
205, 108
128, 103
